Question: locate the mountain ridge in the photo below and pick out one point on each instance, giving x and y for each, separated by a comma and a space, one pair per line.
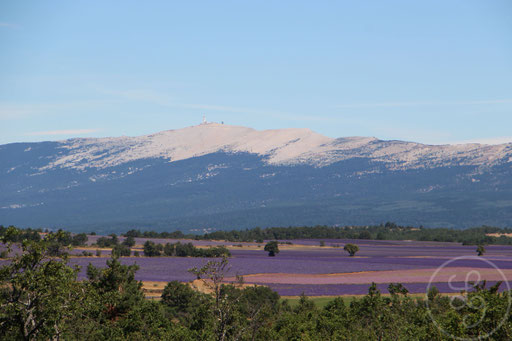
278, 146
219, 176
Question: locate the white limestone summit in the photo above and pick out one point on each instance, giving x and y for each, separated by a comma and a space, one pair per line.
277, 147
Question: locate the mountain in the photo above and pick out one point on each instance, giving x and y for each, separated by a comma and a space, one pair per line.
215, 176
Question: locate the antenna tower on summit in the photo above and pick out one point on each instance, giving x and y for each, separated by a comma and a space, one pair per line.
204, 120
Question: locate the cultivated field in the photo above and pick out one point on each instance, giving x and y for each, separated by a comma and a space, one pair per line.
306, 267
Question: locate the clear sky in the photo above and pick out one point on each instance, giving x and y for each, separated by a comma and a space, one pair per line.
426, 71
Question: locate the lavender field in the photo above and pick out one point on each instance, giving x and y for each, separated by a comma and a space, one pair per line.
303, 266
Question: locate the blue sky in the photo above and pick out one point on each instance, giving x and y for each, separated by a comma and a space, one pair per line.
426, 71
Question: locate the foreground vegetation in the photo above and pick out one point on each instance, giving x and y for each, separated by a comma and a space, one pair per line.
41, 299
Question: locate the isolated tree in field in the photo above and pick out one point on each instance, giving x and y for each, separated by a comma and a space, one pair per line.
351, 249
272, 248
480, 250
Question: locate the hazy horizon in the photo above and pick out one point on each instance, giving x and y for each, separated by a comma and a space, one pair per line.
431, 72
83, 134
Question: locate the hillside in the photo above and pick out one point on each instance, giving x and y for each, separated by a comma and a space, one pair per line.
221, 176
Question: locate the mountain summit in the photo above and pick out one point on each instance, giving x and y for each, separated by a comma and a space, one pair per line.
221, 176
277, 147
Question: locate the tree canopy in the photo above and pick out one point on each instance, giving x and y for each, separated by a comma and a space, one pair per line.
351, 249
272, 248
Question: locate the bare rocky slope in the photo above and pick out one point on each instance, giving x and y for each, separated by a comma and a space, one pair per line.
220, 176
277, 147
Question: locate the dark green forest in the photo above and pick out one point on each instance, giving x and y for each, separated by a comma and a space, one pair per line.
387, 231
42, 299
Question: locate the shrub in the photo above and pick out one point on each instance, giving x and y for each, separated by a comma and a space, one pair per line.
79, 239
151, 249
107, 242
178, 296
129, 241
121, 250
169, 249
365, 235
480, 250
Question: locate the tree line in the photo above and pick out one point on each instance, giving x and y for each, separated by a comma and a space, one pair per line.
387, 231
151, 249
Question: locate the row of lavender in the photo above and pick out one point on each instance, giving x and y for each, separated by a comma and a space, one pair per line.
289, 261
367, 247
373, 256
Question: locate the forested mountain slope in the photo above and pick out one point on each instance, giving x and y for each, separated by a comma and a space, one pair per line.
221, 176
